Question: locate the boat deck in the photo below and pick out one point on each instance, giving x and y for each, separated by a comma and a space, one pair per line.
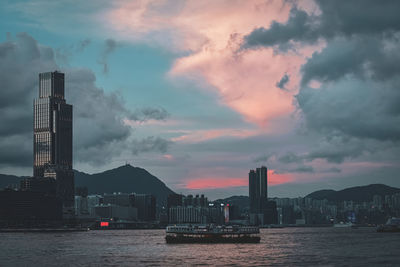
214, 234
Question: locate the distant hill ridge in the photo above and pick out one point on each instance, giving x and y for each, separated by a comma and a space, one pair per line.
357, 194
129, 179
126, 179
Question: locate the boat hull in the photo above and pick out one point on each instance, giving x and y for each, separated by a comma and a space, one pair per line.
211, 239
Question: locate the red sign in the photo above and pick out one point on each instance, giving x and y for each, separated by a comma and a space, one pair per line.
104, 224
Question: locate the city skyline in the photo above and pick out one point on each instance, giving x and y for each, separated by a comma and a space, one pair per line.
199, 93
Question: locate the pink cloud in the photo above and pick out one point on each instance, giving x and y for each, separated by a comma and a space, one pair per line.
212, 31
226, 182
196, 136
168, 156
212, 183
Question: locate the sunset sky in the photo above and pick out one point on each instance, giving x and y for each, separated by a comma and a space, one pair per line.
200, 92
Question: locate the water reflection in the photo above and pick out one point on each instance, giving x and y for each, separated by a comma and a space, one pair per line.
278, 247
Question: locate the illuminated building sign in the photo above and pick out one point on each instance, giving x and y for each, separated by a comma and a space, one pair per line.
103, 224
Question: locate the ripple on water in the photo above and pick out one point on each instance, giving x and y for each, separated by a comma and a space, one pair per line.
278, 247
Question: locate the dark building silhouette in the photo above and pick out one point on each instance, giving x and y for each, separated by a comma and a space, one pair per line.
258, 191
270, 213
288, 215
39, 184
174, 200
52, 138
29, 209
146, 206
262, 211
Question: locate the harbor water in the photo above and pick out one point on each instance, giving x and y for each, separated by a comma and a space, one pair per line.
278, 247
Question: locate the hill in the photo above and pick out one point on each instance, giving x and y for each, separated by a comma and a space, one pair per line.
126, 179
9, 181
357, 194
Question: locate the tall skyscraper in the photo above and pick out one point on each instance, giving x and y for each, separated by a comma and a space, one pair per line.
253, 196
52, 137
262, 181
261, 210
258, 189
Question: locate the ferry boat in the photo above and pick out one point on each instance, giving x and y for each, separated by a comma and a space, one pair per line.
392, 225
212, 234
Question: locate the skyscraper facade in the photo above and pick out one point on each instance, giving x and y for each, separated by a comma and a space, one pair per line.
258, 189
262, 211
52, 137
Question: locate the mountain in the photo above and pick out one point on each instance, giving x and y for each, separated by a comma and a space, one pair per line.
9, 181
126, 179
358, 193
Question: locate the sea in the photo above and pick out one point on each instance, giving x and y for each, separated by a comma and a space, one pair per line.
278, 247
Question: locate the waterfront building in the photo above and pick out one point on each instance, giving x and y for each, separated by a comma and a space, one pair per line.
145, 205
119, 199
29, 209
115, 212
52, 138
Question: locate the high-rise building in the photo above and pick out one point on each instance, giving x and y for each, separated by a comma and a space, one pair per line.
258, 189
146, 206
52, 137
262, 211
253, 191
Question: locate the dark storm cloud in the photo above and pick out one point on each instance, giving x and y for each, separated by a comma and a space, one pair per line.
345, 18
299, 27
363, 57
363, 109
358, 101
281, 84
99, 130
16, 150
110, 45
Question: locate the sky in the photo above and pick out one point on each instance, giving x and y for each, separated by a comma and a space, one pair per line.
200, 92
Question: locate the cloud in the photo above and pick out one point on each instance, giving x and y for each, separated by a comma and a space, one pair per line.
100, 132
333, 170
83, 44
281, 84
362, 109
299, 27
149, 113
303, 168
65, 53
243, 80
150, 144
263, 158
110, 45
335, 19
210, 183
290, 158
358, 96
